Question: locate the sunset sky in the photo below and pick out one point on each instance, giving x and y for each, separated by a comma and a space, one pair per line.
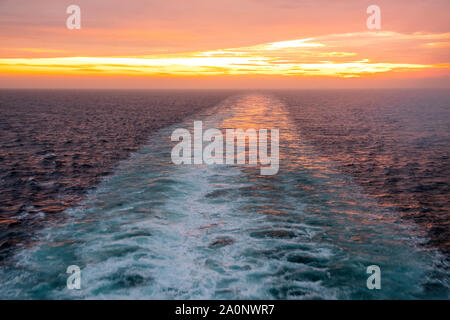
224, 44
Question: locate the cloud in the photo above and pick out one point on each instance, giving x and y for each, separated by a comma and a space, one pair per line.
298, 57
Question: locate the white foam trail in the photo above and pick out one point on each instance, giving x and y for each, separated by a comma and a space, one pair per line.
156, 230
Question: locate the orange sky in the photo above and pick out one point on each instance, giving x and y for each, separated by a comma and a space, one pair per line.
224, 44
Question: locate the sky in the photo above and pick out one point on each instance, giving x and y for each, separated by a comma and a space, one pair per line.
188, 44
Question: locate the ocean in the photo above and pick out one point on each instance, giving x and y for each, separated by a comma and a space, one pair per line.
87, 180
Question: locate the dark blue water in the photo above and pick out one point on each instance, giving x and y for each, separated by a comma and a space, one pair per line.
57, 144
394, 143
152, 229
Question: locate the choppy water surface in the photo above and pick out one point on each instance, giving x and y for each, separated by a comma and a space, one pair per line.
56, 144
395, 143
156, 230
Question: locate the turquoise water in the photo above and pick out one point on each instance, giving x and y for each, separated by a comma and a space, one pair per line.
154, 230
